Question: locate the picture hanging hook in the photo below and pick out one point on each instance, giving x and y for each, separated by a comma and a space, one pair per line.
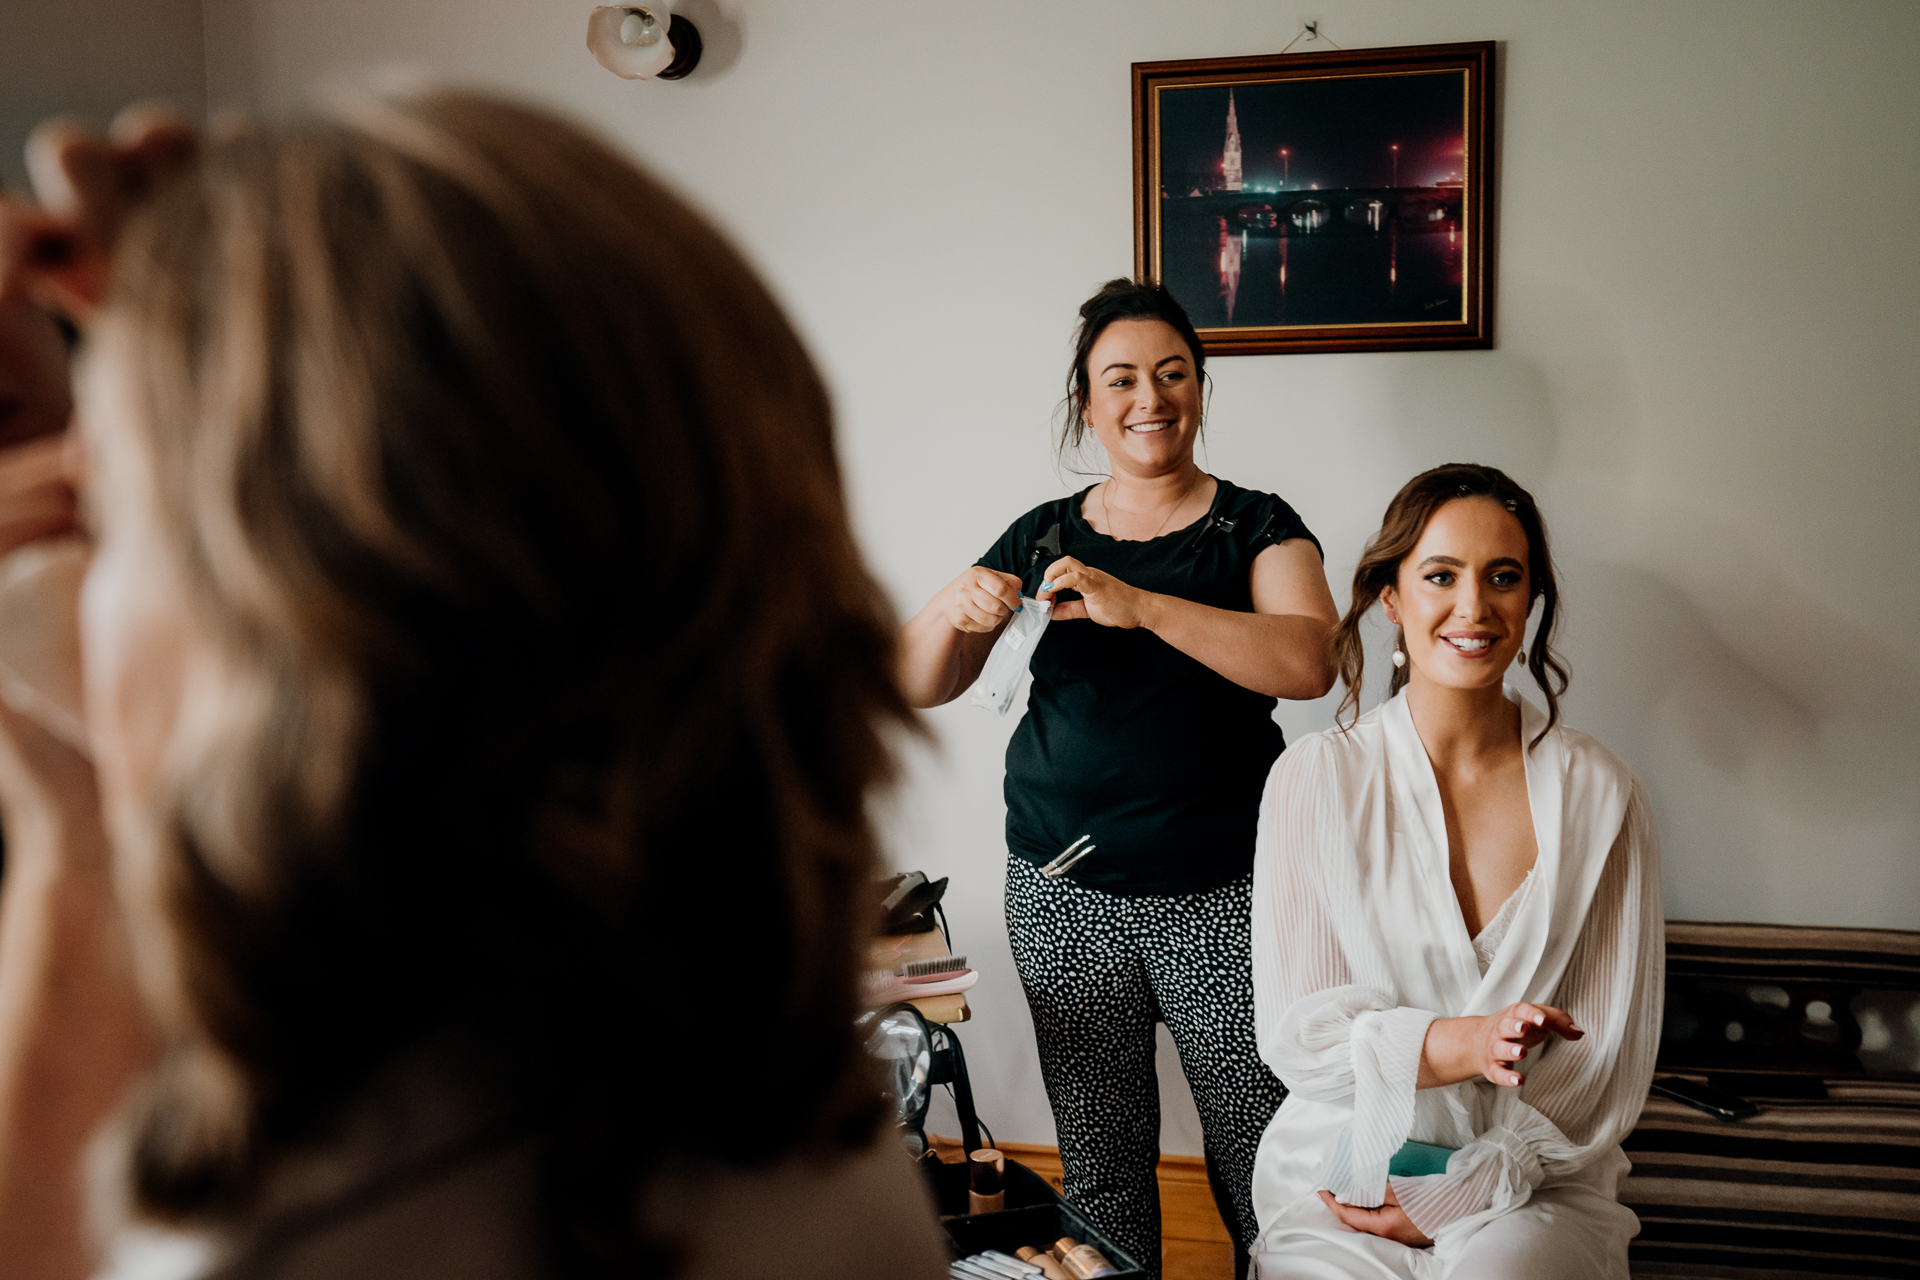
1309, 30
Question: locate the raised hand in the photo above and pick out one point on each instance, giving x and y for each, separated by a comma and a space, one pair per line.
59, 252
1513, 1031
979, 600
1103, 598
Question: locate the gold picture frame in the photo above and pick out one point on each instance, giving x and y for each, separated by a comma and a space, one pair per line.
1334, 201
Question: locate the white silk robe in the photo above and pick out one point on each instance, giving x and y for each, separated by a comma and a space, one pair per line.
1359, 943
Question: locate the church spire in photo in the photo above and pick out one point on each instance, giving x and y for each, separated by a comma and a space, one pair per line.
1230, 179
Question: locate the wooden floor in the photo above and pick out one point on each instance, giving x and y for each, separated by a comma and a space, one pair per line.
1193, 1241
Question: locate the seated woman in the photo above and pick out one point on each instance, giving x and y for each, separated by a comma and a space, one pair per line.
1457, 933
484, 691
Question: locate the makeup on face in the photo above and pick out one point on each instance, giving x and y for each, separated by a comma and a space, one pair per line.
1143, 399
1463, 594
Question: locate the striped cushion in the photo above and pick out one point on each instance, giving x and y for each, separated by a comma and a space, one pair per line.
1805, 1188
1812, 1186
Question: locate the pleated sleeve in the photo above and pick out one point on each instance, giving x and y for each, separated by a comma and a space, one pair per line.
1581, 1097
1327, 1026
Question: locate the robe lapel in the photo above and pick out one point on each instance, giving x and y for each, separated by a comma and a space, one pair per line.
1510, 977
1433, 942
1577, 812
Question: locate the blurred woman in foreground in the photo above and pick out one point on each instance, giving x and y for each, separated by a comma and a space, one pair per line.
484, 692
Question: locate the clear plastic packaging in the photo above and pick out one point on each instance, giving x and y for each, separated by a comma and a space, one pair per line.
1000, 678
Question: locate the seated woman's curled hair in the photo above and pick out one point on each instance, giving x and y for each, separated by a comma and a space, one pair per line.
483, 693
1457, 933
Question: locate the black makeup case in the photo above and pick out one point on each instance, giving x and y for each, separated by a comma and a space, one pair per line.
1035, 1215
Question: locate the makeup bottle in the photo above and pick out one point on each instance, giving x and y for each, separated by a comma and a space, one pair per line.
1049, 1265
1083, 1261
986, 1181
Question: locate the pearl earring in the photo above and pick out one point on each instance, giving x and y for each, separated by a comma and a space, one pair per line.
1399, 658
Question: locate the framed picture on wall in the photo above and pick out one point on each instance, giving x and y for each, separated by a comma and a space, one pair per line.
1336, 201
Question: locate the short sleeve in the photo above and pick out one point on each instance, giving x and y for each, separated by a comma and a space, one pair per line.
1283, 524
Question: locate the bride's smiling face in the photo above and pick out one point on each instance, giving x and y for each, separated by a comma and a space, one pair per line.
1463, 595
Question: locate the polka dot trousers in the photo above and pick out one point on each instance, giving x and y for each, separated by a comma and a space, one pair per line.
1100, 970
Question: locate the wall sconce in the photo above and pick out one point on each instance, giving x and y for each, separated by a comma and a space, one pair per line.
643, 41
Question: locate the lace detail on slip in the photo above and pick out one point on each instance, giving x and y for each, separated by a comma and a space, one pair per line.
1487, 945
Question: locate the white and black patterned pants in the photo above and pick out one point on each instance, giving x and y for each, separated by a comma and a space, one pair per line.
1100, 971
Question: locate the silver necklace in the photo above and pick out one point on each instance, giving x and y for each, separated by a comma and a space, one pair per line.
1107, 512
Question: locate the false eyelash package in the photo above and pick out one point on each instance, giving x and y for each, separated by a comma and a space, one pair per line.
1012, 652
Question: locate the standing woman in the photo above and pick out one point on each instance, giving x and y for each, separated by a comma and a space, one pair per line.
1184, 606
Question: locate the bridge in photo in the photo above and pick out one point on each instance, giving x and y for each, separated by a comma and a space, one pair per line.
1303, 212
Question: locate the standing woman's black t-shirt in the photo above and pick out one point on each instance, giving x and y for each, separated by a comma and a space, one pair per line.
1154, 755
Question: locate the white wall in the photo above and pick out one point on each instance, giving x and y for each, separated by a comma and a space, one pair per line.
57, 56
1709, 301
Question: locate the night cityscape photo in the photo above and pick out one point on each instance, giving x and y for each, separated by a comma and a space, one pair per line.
1325, 201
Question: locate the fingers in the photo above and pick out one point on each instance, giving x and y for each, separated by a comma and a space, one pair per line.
978, 612
1005, 587
1373, 1222
983, 600
1519, 1028
1561, 1023
1063, 574
1533, 1023
86, 183
50, 517
36, 493
1349, 1217
998, 593
1509, 1051
76, 176
32, 465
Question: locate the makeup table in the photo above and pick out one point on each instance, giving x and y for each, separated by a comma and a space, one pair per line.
890, 953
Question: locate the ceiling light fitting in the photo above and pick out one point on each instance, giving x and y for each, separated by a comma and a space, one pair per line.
643, 42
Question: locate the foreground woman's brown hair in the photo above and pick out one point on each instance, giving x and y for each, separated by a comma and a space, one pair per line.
545, 688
